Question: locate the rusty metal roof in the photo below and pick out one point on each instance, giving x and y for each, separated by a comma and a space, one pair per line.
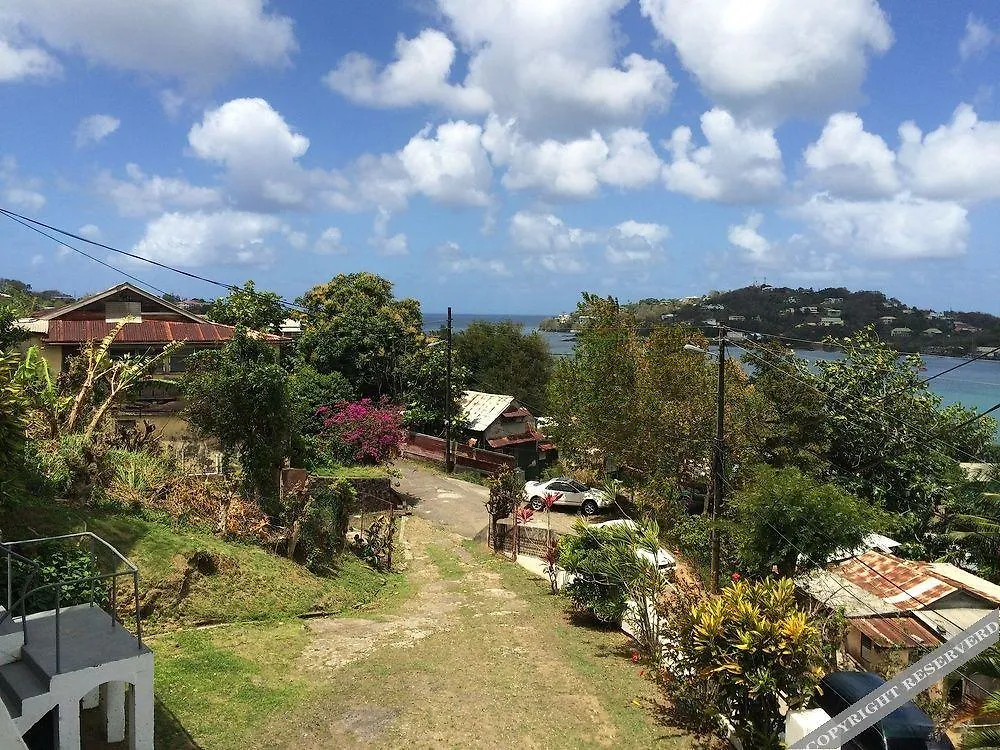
902, 631
483, 409
907, 584
146, 332
531, 436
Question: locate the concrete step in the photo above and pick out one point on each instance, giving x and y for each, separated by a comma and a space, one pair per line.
19, 682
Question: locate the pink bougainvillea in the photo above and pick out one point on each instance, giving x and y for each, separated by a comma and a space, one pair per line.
369, 433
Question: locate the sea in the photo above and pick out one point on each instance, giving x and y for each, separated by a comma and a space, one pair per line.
976, 384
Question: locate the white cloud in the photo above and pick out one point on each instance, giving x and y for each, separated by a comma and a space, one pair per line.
382, 241
901, 228
977, 40
552, 244
27, 200
37, 260
199, 239
851, 161
575, 168
172, 102
144, 195
774, 57
452, 167
90, 231
454, 260
296, 239
258, 149
959, 161
22, 63
199, 42
330, 242
635, 242
95, 128
740, 163
746, 237
418, 76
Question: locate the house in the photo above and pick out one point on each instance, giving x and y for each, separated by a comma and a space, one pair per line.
291, 328
667, 316
791, 300
151, 323
897, 609
833, 300
788, 311
809, 310
887, 320
961, 327
901, 331
831, 322
500, 423
711, 323
932, 332
737, 318
57, 664
833, 312
988, 352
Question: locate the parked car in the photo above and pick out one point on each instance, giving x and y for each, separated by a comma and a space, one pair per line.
568, 491
663, 560
906, 728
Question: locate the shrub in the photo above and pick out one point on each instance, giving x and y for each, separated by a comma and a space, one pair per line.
59, 562
362, 431
133, 476
318, 516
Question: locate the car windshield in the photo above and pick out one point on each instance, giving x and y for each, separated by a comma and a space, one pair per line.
578, 486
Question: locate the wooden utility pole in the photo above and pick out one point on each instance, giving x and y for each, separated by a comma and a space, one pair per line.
449, 464
718, 468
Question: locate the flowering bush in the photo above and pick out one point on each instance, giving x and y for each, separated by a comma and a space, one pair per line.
362, 431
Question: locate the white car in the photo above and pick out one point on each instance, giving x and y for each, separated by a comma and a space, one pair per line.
662, 561
568, 491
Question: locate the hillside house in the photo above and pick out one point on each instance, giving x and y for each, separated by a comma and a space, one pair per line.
887, 320
833, 312
932, 332
961, 327
809, 310
152, 323
901, 331
896, 609
500, 423
833, 300
737, 318
834, 321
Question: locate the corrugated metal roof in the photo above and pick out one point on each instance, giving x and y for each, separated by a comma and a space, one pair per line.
146, 332
966, 581
833, 591
902, 631
531, 436
904, 583
482, 409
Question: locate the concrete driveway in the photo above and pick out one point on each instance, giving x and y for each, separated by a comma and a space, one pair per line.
458, 505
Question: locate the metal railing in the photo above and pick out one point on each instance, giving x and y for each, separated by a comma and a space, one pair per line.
27, 590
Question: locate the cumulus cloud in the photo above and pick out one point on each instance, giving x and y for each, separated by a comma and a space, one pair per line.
452, 167
94, 129
977, 40
852, 162
959, 161
746, 237
552, 243
200, 238
330, 242
774, 58
90, 231
25, 63
145, 195
419, 75
382, 241
901, 228
18, 191
635, 242
27, 200
199, 42
455, 260
740, 163
554, 66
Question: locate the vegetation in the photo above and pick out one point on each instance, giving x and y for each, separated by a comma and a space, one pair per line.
502, 358
247, 307
361, 432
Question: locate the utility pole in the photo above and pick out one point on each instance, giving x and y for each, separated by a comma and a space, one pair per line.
718, 470
448, 462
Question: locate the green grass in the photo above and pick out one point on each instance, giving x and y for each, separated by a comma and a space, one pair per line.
448, 565
353, 472
223, 684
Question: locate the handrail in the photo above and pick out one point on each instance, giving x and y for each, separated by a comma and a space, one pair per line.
77, 535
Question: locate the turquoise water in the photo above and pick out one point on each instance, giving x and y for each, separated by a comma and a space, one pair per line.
976, 384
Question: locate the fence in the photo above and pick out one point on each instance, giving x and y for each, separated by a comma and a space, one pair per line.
531, 540
430, 448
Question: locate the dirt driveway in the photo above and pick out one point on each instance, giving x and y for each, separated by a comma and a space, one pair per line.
480, 656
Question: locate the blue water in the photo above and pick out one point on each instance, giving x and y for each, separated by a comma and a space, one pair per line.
977, 384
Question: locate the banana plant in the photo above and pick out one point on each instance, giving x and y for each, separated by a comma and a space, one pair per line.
986, 737
37, 384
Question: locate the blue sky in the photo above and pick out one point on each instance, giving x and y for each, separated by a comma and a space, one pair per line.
505, 155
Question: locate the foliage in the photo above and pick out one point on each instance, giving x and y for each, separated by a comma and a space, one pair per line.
10, 334
308, 391
752, 645
890, 440
502, 358
239, 395
355, 326
506, 493
318, 516
987, 738
248, 307
49, 406
646, 405
786, 520
135, 475
424, 389
971, 525
13, 412
362, 432
60, 563
65, 466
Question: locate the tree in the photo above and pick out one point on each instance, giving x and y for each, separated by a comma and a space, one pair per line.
363, 432
13, 412
784, 520
355, 326
250, 308
753, 647
424, 389
239, 395
988, 737
502, 358
971, 524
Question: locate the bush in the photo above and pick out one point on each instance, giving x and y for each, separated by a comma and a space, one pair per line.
318, 517
362, 432
65, 466
59, 562
134, 476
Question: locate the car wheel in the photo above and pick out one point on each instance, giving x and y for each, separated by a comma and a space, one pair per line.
537, 503
589, 508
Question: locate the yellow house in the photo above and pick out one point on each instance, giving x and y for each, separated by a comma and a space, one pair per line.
153, 323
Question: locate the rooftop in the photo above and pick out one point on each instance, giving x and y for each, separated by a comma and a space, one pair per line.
483, 409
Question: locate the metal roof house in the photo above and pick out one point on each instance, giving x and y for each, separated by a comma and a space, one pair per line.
499, 422
64, 648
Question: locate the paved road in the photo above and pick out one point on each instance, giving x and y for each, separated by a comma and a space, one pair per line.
442, 500
458, 505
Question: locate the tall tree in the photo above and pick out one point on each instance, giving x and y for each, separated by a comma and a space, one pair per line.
354, 325
13, 414
239, 395
250, 308
502, 358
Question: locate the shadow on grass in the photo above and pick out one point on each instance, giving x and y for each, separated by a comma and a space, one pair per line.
170, 733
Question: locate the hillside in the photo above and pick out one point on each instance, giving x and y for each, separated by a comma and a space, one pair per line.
812, 315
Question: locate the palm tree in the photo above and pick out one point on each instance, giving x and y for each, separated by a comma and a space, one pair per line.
986, 738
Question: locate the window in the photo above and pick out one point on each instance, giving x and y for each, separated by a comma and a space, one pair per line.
868, 651
116, 311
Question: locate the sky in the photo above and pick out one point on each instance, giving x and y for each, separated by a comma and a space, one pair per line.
502, 156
